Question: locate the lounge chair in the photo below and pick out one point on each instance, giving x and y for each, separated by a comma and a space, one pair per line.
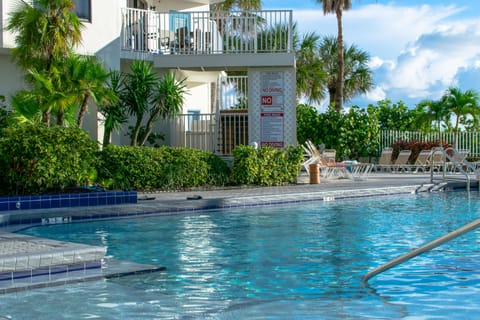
385, 161
401, 163
422, 163
310, 158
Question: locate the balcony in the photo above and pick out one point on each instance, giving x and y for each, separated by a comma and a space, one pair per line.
208, 33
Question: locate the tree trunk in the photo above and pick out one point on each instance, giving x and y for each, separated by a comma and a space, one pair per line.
106, 137
136, 130
149, 127
340, 76
83, 110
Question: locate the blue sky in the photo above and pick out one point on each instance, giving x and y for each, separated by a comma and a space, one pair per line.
418, 48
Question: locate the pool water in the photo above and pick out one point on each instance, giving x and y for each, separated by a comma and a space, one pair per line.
303, 261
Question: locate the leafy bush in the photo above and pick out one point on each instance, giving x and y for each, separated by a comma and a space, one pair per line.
35, 159
266, 166
146, 168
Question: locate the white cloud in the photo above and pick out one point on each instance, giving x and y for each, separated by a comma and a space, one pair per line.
417, 52
376, 94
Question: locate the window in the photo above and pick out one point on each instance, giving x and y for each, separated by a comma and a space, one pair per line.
83, 9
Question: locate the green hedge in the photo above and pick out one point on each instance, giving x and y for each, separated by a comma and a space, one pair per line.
35, 159
266, 166
146, 168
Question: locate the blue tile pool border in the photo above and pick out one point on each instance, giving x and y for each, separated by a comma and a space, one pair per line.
69, 200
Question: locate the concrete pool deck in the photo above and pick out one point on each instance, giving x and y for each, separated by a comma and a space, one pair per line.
20, 250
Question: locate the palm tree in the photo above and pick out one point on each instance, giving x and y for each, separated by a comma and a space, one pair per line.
47, 94
310, 74
337, 7
86, 78
357, 76
46, 32
464, 105
431, 112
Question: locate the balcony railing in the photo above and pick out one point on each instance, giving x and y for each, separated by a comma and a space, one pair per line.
206, 32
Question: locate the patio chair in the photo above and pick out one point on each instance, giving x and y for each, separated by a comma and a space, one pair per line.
401, 163
329, 155
422, 163
310, 157
385, 161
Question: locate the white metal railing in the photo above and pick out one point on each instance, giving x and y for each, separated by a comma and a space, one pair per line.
204, 32
462, 140
219, 133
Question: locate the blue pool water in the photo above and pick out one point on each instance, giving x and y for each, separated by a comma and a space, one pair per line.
288, 262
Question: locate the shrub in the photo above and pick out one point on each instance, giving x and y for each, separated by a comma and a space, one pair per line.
35, 159
266, 166
147, 168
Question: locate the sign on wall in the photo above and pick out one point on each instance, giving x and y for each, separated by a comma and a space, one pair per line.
272, 109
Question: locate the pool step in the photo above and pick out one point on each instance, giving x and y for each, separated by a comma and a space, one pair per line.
25, 259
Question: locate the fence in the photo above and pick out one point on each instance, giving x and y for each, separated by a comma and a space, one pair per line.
207, 32
219, 133
464, 140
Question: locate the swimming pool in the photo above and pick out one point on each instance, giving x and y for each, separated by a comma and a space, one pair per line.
288, 262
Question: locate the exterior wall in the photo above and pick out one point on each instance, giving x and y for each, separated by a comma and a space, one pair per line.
11, 79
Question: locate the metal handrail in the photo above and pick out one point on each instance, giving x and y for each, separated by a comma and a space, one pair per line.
458, 165
429, 246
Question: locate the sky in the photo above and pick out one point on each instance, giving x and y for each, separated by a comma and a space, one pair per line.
418, 49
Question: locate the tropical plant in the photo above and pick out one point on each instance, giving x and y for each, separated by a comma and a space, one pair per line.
430, 115
114, 114
394, 116
464, 105
138, 94
86, 78
337, 7
168, 101
310, 75
47, 95
46, 30
357, 77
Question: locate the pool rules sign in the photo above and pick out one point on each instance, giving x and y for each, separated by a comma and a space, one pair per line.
272, 106
272, 109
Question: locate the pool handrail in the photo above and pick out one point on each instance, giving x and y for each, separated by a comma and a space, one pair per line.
427, 247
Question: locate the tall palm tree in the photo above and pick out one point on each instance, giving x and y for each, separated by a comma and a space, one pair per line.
337, 7
357, 76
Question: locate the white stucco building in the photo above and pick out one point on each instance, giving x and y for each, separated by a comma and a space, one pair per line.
199, 45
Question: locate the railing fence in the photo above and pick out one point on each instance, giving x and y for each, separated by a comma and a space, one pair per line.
204, 32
